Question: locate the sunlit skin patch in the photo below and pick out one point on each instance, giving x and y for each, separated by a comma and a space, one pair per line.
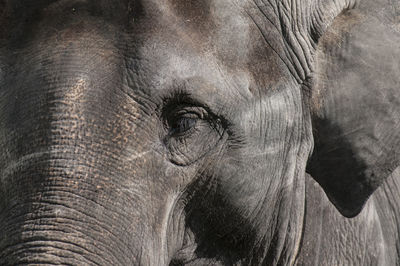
77, 91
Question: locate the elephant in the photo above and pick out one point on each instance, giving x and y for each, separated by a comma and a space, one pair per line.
200, 132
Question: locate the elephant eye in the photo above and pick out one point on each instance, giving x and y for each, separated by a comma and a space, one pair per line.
183, 124
191, 130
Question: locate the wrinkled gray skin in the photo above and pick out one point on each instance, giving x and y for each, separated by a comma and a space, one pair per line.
188, 132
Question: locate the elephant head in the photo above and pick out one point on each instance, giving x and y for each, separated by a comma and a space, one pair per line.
144, 132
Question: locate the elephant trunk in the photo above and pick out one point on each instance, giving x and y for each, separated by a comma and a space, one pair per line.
56, 211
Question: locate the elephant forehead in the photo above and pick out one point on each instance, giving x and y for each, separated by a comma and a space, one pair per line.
163, 41
224, 29
228, 31
232, 55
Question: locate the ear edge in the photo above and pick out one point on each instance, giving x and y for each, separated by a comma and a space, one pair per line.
342, 170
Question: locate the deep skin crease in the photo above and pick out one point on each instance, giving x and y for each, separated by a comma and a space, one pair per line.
180, 132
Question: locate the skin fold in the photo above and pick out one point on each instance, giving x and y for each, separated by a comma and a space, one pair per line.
186, 132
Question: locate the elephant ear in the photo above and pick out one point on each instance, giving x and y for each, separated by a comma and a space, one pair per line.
356, 101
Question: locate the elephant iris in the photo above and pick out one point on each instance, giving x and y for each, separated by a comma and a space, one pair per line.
182, 125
